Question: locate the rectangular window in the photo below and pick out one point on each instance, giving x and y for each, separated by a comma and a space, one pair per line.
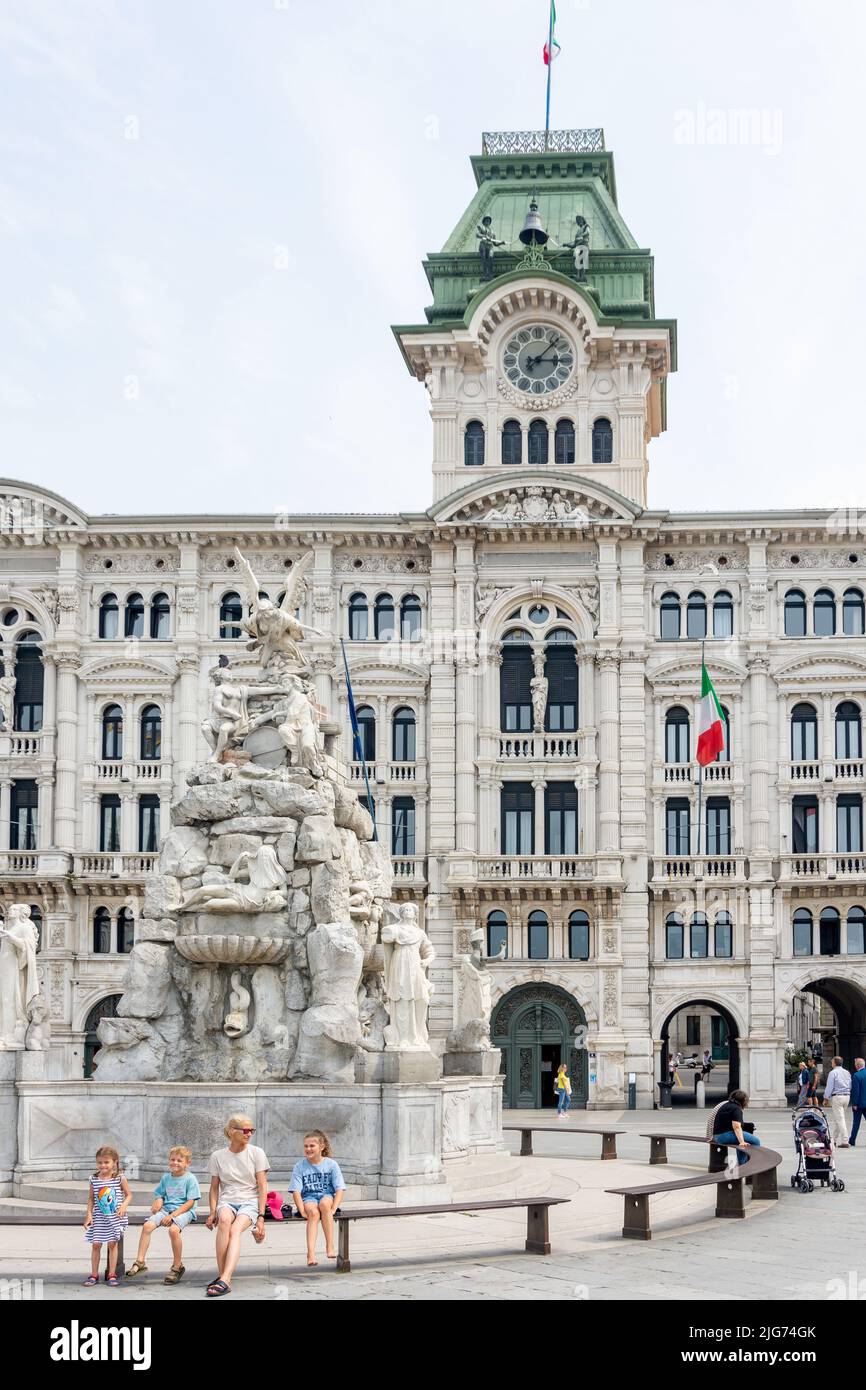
560, 818
718, 825
24, 815
561, 671
693, 1030
677, 827
515, 690
804, 824
109, 824
856, 923
518, 818
403, 825
849, 824
148, 824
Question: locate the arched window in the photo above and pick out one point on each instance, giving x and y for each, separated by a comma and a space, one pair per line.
108, 612
231, 617
410, 617
560, 668
830, 932
699, 936
848, 733
856, 931
852, 613
674, 936
160, 618
795, 613
512, 442
723, 614
151, 734
102, 931
824, 613
602, 441
36, 919
563, 442
125, 930
725, 754
148, 824
677, 735
402, 825
538, 442
696, 617
30, 682
804, 733
473, 444
384, 617
497, 933
723, 943
515, 676
112, 733
403, 735
578, 935
538, 932
106, 1008
358, 618
802, 932
133, 625
367, 729
670, 617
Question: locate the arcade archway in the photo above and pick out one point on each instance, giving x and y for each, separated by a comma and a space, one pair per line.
694, 1026
535, 1027
843, 1034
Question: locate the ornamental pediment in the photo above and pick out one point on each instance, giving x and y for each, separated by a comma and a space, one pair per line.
126, 670
687, 673
522, 500
832, 669
368, 672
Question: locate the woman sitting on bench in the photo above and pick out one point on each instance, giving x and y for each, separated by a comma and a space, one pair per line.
728, 1125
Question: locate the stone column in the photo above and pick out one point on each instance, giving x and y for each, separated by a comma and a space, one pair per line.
188, 715
759, 769
538, 785
65, 809
5, 807
608, 723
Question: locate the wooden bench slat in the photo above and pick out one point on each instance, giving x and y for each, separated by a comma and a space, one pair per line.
371, 1212
760, 1167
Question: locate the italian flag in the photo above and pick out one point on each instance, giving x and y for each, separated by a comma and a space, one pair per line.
553, 50
711, 734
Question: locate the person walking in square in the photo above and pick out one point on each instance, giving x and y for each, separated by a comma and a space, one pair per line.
106, 1220
837, 1096
318, 1188
858, 1098
803, 1082
562, 1086
173, 1207
238, 1198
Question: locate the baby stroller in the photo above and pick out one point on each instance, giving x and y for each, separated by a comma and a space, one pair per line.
816, 1159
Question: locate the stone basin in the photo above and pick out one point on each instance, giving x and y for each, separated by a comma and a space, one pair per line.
234, 938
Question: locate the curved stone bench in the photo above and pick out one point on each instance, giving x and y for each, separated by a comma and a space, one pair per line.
760, 1166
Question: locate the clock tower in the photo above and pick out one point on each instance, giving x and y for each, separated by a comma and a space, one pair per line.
541, 347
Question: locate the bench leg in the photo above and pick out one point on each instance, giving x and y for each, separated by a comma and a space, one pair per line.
344, 1264
608, 1146
658, 1151
635, 1218
730, 1198
526, 1143
765, 1187
537, 1230
718, 1158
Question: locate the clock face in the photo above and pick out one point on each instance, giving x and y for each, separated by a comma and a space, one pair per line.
538, 359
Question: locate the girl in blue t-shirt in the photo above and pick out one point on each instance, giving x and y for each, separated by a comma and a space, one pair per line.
318, 1188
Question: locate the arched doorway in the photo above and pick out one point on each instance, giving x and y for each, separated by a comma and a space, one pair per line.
106, 1008
845, 1033
535, 1027
714, 1027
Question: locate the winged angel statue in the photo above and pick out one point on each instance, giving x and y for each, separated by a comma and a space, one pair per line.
275, 629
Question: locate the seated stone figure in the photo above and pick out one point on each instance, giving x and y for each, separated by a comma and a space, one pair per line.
265, 891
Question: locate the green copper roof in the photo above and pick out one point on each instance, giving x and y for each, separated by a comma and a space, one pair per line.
565, 182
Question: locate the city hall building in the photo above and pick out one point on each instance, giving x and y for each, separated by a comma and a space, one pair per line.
525, 655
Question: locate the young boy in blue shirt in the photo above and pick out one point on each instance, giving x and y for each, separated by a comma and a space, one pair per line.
318, 1188
173, 1206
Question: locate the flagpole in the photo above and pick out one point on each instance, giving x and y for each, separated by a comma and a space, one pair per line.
356, 740
700, 769
549, 71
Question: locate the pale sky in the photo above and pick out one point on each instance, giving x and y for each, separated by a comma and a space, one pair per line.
212, 211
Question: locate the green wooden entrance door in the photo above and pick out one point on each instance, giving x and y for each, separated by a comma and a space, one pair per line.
534, 1026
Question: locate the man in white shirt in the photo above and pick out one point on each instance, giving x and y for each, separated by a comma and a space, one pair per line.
837, 1095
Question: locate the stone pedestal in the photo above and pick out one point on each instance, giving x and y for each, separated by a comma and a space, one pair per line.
472, 1063
31, 1066
412, 1173
410, 1067
8, 1121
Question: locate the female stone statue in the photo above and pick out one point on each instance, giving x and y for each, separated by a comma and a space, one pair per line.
19, 983
408, 957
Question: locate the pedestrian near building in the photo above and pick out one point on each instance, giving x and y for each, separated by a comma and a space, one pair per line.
803, 1082
837, 1096
858, 1097
812, 1088
562, 1086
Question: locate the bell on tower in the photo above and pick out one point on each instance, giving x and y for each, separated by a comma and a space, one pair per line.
533, 232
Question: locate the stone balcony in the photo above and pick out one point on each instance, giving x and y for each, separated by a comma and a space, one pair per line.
17, 745
819, 868
388, 773
409, 872
151, 770
545, 747
690, 868
807, 775
104, 866
671, 776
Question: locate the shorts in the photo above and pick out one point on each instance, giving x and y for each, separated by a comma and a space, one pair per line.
315, 1196
180, 1221
249, 1209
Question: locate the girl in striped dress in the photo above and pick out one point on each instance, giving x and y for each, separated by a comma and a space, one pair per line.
106, 1218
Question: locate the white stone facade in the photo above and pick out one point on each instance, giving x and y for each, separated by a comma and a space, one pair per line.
499, 545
